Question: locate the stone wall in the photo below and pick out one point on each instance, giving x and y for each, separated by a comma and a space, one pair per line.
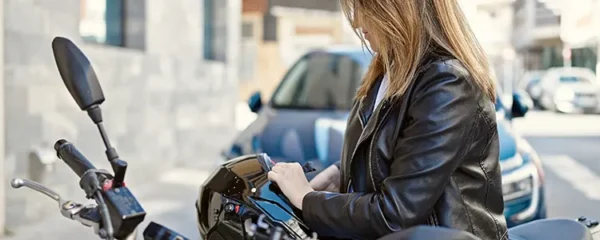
165, 106
3, 183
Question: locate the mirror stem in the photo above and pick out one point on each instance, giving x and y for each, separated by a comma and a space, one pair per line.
119, 166
95, 113
107, 142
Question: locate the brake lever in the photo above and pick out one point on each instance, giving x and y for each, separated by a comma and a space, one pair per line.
307, 168
18, 183
87, 215
269, 163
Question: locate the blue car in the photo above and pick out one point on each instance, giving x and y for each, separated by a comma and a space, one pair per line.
305, 119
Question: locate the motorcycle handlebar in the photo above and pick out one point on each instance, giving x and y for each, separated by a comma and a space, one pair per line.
72, 157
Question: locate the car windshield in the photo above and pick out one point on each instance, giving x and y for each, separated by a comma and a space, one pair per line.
326, 81
322, 80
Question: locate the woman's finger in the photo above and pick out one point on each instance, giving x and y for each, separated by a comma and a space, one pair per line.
296, 165
281, 165
277, 168
273, 176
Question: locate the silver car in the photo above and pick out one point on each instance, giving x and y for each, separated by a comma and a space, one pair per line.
530, 82
570, 90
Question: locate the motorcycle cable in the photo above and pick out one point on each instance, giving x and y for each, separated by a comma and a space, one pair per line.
107, 228
90, 183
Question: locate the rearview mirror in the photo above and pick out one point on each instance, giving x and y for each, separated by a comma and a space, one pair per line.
522, 103
255, 102
77, 73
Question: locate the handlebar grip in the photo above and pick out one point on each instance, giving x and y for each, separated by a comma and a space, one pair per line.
72, 157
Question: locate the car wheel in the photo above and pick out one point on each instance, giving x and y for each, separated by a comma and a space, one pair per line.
537, 105
544, 103
548, 103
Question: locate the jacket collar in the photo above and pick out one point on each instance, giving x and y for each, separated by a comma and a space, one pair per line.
368, 116
366, 105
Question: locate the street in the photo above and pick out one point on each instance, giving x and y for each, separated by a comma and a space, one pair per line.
569, 145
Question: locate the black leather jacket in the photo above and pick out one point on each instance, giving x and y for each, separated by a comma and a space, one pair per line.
429, 158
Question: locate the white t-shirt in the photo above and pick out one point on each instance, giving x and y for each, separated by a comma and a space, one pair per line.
385, 82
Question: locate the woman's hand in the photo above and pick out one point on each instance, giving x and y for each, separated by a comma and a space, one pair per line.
327, 180
291, 180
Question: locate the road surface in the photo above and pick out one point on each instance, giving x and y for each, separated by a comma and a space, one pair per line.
569, 146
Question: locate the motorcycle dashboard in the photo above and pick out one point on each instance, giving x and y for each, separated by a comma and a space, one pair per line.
240, 189
155, 231
280, 214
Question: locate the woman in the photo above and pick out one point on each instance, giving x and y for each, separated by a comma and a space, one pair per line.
421, 144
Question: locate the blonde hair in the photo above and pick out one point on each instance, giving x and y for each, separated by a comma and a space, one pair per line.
407, 31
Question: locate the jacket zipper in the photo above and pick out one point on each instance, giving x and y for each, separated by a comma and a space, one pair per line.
348, 188
374, 138
433, 219
362, 125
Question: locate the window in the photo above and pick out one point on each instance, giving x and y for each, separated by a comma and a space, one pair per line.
215, 34
247, 30
102, 22
320, 81
249, 52
585, 57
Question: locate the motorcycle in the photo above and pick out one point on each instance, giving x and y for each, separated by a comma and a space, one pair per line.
236, 202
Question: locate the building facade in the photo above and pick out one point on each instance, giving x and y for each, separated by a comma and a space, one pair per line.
169, 74
492, 24
580, 31
542, 40
3, 183
275, 33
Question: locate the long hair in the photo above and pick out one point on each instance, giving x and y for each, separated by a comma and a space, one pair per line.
406, 31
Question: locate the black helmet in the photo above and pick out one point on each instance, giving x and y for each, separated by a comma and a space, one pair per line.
237, 194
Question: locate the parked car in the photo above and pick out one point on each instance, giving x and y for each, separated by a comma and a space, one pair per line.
531, 84
570, 90
306, 117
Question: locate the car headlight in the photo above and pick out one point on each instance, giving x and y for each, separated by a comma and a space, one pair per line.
517, 189
526, 150
518, 182
564, 94
512, 163
518, 175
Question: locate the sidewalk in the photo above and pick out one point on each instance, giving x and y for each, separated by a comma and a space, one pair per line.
169, 200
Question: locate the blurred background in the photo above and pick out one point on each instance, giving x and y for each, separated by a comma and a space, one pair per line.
189, 84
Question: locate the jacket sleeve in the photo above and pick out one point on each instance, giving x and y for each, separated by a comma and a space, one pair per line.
435, 140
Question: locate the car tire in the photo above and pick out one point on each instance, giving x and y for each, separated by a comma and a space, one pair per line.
537, 105
548, 103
